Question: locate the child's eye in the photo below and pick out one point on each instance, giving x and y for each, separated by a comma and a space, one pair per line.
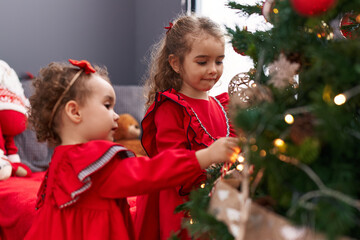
219, 62
107, 105
201, 63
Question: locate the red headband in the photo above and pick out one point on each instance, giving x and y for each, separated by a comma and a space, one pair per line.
83, 64
85, 67
169, 27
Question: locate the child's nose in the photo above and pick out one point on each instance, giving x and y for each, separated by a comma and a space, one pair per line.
212, 68
116, 116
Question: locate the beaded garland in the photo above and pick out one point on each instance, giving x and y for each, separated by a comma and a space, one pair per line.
227, 121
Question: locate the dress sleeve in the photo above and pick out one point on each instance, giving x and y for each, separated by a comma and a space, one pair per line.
142, 175
169, 121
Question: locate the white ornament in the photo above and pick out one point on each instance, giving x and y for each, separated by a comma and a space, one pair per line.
282, 72
292, 233
223, 194
233, 214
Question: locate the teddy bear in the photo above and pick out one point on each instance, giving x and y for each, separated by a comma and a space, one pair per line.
13, 108
128, 134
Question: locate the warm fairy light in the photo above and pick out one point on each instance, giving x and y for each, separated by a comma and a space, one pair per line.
276, 11
241, 159
202, 185
253, 85
262, 153
289, 119
340, 99
254, 148
191, 221
240, 167
357, 19
318, 35
279, 142
252, 140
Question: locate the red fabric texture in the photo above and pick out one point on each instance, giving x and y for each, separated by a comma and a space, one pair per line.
17, 201
12, 123
87, 185
171, 123
83, 64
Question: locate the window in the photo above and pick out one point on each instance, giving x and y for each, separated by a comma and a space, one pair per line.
234, 63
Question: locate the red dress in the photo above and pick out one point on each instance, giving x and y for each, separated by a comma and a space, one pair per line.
172, 122
83, 195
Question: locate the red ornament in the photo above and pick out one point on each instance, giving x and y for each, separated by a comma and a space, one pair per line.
347, 20
239, 52
83, 64
312, 7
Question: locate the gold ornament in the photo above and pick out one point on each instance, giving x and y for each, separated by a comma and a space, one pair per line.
245, 92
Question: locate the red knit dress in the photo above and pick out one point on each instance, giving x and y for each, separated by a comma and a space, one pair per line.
175, 121
83, 195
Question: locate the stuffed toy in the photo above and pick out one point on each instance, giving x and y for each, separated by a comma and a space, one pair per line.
128, 134
13, 107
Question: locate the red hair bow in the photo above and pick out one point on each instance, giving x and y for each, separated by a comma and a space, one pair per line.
83, 64
169, 27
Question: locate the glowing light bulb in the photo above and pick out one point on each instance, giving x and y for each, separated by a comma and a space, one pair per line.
289, 119
191, 221
241, 158
262, 153
279, 142
276, 11
240, 167
340, 99
202, 185
254, 148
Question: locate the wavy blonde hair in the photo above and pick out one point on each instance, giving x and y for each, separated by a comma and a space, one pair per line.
50, 83
178, 41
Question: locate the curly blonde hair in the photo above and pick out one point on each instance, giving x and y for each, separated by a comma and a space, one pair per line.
178, 41
49, 85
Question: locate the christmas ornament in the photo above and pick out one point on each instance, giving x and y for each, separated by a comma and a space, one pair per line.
282, 72
268, 9
311, 7
245, 92
350, 25
238, 51
248, 220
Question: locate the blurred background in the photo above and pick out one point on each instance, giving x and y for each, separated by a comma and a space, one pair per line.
118, 34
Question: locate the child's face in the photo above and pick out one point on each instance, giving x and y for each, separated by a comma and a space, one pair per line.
202, 66
98, 116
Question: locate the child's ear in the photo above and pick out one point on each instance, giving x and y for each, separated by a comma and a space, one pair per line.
174, 62
72, 111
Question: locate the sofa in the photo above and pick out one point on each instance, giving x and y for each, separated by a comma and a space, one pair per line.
18, 194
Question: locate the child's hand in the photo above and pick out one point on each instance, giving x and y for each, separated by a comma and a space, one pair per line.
222, 150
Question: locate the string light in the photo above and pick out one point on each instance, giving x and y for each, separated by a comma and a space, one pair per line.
343, 97
202, 185
241, 159
262, 153
276, 11
340, 99
280, 145
279, 142
240, 167
289, 119
254, 148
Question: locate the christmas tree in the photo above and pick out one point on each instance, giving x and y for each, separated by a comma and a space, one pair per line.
298, 117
